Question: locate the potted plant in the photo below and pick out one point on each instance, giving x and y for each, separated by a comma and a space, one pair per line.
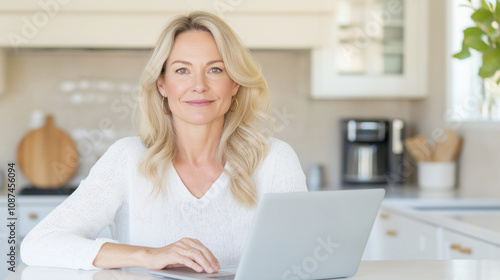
485, 38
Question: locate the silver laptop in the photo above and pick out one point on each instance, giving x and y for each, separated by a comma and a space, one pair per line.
312, 235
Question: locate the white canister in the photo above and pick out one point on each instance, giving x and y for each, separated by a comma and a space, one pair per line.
436, 175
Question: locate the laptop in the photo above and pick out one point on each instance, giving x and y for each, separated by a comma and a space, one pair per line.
309, 235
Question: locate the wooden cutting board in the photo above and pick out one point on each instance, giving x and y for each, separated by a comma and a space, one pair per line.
447, 149
47, 156
418, 148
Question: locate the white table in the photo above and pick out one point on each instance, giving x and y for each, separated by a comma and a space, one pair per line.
368, 270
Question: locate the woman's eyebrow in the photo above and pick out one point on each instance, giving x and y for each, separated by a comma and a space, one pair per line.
189, 63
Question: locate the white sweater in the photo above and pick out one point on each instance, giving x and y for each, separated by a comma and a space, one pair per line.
115, 195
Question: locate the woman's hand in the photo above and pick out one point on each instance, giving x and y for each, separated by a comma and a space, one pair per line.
185, 252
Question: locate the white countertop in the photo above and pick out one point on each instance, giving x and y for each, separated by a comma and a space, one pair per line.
368, 270
483, 224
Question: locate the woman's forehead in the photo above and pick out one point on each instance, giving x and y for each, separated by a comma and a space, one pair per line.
194, 46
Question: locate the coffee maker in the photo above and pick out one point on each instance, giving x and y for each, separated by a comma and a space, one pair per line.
372, 151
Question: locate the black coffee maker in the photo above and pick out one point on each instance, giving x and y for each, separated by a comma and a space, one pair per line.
372, 151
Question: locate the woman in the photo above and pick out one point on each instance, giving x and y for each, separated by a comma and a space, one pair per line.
184, 192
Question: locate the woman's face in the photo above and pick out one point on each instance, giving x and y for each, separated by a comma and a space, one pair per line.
195, 81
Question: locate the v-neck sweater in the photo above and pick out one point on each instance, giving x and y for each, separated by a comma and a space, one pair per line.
114, 194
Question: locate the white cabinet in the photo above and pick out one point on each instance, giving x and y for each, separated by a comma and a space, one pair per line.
32, 209
395, 237
378, 50
459, 246
137, 24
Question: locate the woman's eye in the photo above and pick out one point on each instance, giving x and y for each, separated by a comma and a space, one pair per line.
215, 70
181, 71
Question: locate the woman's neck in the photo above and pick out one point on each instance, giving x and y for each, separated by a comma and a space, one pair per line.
197, 144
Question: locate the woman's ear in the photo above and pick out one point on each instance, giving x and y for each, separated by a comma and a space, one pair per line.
160, 86
236, 86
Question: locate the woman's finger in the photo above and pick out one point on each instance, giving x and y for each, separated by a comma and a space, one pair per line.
185, 260
195, 255
205, 251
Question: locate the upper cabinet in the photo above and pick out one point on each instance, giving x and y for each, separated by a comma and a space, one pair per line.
295, 24
378, 49
359, 48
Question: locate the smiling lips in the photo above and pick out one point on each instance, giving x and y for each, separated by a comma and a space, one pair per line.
199, 103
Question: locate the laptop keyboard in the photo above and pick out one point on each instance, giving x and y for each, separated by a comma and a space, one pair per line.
227, 277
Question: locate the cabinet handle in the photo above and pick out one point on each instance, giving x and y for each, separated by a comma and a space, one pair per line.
33, 216
455, 247
466, 251
392, 233
384, 216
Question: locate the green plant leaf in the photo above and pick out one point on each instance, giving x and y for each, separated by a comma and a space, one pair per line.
463, 54
484, 16
485, 5
497, 10
491, 63
476, 43
473, 31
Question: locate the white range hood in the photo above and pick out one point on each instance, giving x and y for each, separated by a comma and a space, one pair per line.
275, 24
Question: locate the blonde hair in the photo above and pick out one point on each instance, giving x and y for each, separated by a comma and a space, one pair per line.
243, 143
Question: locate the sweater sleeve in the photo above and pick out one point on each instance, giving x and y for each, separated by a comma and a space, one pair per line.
67, 237
288, 174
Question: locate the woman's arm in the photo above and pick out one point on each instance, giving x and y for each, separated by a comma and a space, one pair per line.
67, 237
185, 252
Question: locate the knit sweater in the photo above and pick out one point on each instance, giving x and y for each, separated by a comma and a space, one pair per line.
115, 195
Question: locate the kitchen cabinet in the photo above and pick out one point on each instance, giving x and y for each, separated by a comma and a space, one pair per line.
137, 24
395, 237
31, 210
459, 246
378, 49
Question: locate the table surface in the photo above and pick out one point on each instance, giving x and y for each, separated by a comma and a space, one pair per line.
368, 270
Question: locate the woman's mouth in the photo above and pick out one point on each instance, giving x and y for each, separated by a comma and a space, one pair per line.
199, 103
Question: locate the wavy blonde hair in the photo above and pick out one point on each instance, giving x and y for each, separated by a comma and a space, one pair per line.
244, 139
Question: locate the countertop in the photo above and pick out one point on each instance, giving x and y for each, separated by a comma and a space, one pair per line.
368, 270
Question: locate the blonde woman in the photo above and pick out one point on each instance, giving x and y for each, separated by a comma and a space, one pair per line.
184, 192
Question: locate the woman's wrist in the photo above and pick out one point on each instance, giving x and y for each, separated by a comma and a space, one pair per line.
114, 255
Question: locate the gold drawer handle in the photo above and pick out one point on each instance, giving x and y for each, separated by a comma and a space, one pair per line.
33, 216
455, 247
392, 233
466, 251
384, 216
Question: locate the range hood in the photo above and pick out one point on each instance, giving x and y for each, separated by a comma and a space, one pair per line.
119, 24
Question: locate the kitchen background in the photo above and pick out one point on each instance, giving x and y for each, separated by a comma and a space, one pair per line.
81, 88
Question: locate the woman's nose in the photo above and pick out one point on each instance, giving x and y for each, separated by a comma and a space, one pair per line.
199, 83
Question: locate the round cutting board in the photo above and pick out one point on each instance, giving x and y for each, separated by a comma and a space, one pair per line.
47, 156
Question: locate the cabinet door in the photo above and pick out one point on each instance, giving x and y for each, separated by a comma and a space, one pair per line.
459, 246
395, 237
30, 216
378, 50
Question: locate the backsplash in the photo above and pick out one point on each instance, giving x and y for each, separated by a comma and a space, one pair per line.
92, 97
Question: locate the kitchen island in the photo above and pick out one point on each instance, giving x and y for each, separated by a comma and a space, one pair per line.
368, 270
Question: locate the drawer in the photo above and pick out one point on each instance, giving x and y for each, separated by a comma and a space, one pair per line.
30, 216
459, 246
